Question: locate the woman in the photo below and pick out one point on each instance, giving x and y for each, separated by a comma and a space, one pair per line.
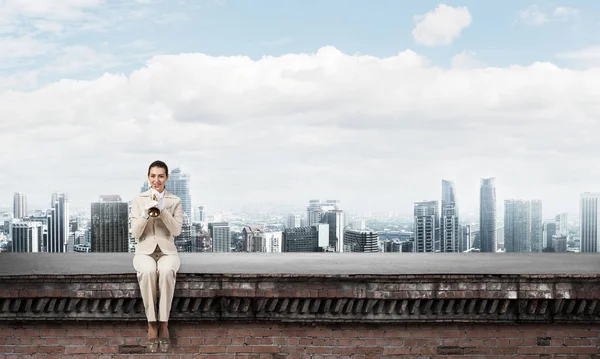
156, 259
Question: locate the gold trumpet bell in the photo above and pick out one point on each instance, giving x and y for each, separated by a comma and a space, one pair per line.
153, 211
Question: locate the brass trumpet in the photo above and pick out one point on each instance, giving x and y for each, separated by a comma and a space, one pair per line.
153, 211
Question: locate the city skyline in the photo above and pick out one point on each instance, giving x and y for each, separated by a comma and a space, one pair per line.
373, 104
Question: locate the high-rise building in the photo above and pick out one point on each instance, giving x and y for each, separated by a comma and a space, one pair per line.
589, 215
179, 185
426, 226
537, 230
467, 238
559, 243
250, 236
517, 225
294, 221
301, 239
109, 230
201, 214
450, 230
26, 236
364, 241
487, 215
317, 209
562, 224
19, 205
220, 236
58, 224
335, 219
550, 228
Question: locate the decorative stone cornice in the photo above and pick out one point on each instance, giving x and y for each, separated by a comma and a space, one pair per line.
311, 298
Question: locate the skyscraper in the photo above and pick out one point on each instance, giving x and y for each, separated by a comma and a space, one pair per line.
109, 230
19, 205
562, 224
537, 229
426, 226
517, 225
336, 219
26, 236
487, 215
58, 224
220, 235
317, 209
201, 214
294, 221
450, 230
589, 215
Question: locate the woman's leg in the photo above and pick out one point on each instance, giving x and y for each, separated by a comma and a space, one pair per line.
168, 265
146, 273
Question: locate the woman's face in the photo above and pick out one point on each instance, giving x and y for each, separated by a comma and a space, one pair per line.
157, 178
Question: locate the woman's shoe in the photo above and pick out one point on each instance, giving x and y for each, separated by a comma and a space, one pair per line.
152, 345
165, 343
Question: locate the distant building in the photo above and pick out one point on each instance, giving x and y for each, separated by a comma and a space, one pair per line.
559, 243
26, 236
450, 229
362, 241
109, 228
294, 221
517, 225
487, 215
537, 231
220, 234
589, 214
426, 226
19, 205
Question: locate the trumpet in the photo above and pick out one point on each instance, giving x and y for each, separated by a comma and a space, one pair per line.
154, 211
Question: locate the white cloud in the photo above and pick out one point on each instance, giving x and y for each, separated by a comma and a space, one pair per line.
564, 13
23, 47
26, 80
534, 16
583, 58
588, 53
466, 60
373, 132
441, 26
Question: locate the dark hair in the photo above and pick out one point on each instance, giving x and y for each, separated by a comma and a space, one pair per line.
159, 164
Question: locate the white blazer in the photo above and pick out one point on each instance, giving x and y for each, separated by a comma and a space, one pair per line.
150, 232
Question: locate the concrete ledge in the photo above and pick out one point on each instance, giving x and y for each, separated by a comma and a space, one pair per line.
278, 290
327, 264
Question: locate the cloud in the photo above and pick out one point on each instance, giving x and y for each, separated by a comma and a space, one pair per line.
26, 80
23, 47
582, 58
534, 16
587, 53
466, 60
441, 26
563, 13
290, 128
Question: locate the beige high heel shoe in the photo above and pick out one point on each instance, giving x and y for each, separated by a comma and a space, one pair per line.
165, 343
152, 346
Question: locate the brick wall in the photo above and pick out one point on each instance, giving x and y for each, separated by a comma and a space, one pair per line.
300, 340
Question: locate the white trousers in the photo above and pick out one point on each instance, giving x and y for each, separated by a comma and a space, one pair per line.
157, 268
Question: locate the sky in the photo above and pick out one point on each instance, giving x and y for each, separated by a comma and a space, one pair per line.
279, 102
